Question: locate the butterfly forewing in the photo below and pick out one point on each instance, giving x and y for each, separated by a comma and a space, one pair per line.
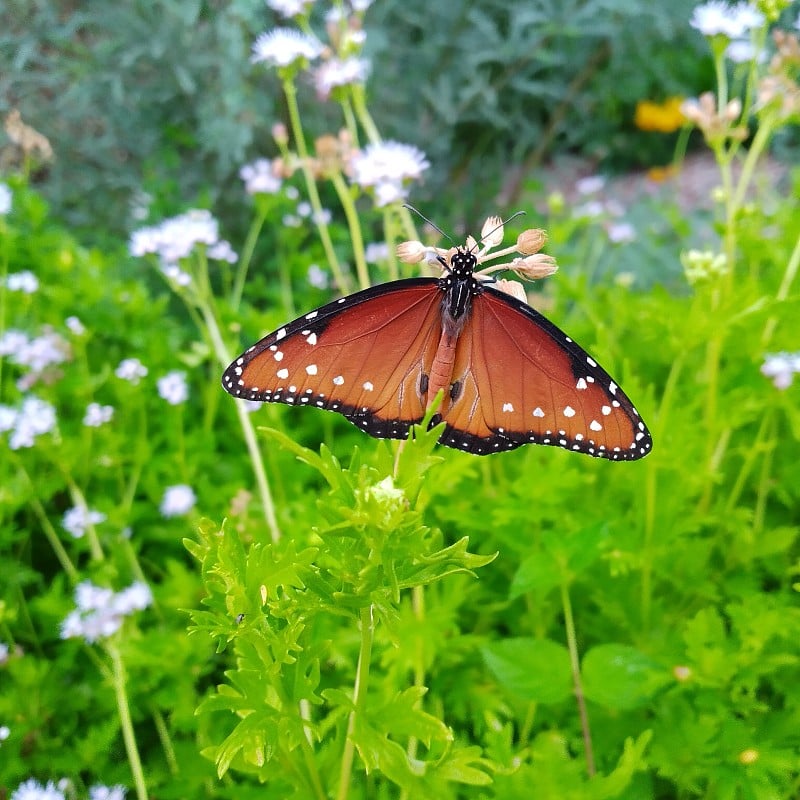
362, 356
520, 379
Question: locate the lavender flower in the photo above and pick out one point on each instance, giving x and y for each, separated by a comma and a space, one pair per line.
33, 790
77, 519
178, 500
24, 281
781, 367
35, 417
99, 792
131, 369
173, 387
97, 415
100, 612
259, 177
337, 72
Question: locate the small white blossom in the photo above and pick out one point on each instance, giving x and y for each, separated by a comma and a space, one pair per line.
178, 500
388, 161
173, 387
100, 612
174, 273
5, 732
304, 208
77, 519
592, 208
376, 252
292, 192
35, 417
6, 199
621, 232
131, 369
591, 184
340, 72
222, 251
135, 598
291, 8
317, 277
75, 325
33, 790
259, 177
97, 415
99, 792
8, 418
176, 237
323, 216
781, 367
281, 47
12, 341
24, 281
741, 51
291, 221
4, 653
41, 352
720, 18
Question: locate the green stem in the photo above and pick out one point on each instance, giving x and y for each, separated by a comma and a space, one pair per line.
247, 429
246, 257
359, 698
783, 291
311, 186
166, 741
572, 645
125, 721
354, 224
364, 117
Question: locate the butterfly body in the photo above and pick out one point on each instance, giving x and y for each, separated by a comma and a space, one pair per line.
508, 376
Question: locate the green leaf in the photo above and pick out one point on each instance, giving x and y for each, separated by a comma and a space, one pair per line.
619, 676
537, 670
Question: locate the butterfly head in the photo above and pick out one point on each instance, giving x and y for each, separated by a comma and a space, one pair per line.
462, 264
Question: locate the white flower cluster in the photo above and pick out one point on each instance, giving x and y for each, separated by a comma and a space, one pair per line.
24, 281
33, 790
386, 168
100, 612
173, 387
260, 178
39, 354
282, 47
178, 500
131, 370
34, 417
781, 367
6, 199
97, 415
77, 519
176, 237
735, 22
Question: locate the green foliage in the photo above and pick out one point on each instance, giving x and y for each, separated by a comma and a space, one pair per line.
377, 619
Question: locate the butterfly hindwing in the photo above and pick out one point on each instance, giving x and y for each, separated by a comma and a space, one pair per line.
522, 380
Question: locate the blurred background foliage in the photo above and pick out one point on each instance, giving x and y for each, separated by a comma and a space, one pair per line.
159, 96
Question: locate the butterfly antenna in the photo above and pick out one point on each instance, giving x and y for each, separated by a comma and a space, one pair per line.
423, 217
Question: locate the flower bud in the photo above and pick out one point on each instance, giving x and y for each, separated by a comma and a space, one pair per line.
411, 252
514, 288
531, 241
534, 267
280, 134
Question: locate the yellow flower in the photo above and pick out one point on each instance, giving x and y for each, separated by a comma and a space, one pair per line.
663, 117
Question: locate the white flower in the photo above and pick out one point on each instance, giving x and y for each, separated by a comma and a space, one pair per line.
593, 208
376, 252
386, 168
591, 184
173, 387
176, 237
291, 221
281, 47
131, 369
75, 325
4, 652
5, 199
89, 597
12, 341
178, 500
222, 251
304, 209
97, 415
291, 8
136, 597
259, 178
340, 72
99, 792
176, 274
42, 352
717, 17
317, 277
323, 216
33, 790
620, 232
8, 418
24, 281
77, 519
292, 192
781, 367
34, 418
5, 732
741, 51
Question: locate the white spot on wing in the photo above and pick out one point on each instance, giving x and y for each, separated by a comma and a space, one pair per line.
612, 387
311, 315
595, 425
569, 411
283, 374
368, 387
281, 333
606, 410
312, 338
591, 361
537, 412
581, 384
508, 407
338, 380
278, 355
311, 369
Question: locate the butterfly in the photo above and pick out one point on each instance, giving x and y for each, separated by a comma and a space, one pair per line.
508, 376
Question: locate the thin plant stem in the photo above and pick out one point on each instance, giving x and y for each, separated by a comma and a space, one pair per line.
166, 741
751, 456
52, 537
123, 708
390, 236
311, 186
354, 225
246, 256
359, 698
572, 646
362, 112
783, 291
